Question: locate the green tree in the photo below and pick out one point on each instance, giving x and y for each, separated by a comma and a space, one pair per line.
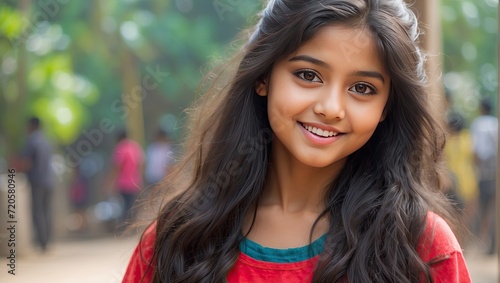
470, 48
72, 63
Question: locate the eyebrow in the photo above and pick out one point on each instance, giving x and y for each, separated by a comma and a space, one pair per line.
312, 60
371, 74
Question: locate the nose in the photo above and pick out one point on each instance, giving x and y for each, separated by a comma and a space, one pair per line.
331, 104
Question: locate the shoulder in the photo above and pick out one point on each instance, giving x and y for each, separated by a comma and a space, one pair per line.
484, 120
148, 238
438, 240
141, 263
493, 119
35, 138
476, 122
132, 146
31, 145
119, 147
439, 248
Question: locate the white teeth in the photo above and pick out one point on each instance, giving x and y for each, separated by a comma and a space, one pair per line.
320, 132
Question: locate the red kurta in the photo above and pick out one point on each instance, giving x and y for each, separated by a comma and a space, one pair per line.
438, 241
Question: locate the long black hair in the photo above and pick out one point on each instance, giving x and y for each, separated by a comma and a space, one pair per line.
377, 206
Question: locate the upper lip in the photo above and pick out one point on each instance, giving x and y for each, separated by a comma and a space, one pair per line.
322, 126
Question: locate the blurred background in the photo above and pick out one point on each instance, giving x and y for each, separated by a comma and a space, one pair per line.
91, 69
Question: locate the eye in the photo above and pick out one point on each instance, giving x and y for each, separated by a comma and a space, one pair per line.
308, 76
363, 88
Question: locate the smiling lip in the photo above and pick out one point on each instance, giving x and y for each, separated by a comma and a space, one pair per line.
333, 135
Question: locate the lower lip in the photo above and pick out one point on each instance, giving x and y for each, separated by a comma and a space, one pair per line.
317, 139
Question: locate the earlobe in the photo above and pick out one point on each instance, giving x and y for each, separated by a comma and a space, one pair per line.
382, 118
261, 88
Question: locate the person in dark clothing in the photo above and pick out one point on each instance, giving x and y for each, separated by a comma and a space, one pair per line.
484, 130
36, 162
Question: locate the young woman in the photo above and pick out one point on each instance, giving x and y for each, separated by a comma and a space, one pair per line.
318, 161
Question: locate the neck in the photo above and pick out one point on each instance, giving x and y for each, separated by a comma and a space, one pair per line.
296, 187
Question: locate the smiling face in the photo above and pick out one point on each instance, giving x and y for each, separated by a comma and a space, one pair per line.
326, 99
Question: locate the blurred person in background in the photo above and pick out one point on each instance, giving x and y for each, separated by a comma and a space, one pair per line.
484, 130
125, 175
79, 196
159, 157
460, 161
35, 160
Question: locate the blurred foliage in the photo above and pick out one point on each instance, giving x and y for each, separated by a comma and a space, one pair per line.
63, 60
470, 48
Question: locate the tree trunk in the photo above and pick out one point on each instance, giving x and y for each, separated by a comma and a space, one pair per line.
132, 96
428, 13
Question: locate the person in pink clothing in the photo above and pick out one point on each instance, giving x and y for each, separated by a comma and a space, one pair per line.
127, 167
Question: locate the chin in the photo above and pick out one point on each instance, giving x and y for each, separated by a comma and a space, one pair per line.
317, 162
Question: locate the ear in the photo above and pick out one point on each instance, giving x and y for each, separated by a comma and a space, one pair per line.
382, 118
261, 87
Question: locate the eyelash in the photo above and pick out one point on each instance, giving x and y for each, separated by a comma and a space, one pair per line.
300, 75
372, 89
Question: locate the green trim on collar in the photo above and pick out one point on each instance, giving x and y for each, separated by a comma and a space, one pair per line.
258, 252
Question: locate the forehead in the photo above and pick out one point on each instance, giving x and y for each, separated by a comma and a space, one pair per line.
355, 47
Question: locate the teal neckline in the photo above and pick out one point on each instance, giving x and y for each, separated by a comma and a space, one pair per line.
258, 252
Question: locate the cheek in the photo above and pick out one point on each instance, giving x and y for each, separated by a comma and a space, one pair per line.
280, 116
367, 121
283, 105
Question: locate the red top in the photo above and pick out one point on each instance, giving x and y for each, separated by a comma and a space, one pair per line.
437, 242
128, 157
